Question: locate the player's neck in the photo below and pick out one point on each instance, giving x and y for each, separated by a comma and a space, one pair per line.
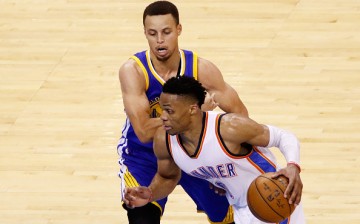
168, 68
192, 135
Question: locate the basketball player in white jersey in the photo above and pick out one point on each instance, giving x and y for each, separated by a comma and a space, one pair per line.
228, 150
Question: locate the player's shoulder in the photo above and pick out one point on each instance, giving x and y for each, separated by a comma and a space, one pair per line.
234, 127
160, 146
129, 67
200, 60
160, 135
128, 64
207, 70
234, 119
131, 63
204, 62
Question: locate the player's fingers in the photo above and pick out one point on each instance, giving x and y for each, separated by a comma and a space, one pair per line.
129, 205
298, 200
140, 193
289, 189
278, 173
296, 193
130, 194
217, 190
127, 202
222, 192
293, 197
128, 198
129, 191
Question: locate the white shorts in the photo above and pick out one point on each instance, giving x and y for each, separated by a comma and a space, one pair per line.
243, 215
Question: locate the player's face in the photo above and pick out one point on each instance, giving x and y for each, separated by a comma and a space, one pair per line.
175, 113
162, 34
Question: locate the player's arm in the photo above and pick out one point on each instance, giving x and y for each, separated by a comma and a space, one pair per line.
164, 181
223, 94
136, 104
238, 129
168, 173
289, 146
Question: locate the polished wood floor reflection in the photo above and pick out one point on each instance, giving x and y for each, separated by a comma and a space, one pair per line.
294, 63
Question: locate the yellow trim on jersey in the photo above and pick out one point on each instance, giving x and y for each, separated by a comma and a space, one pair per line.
146, 75
195, 66
183, 66
130, 181
151, 67
183, 62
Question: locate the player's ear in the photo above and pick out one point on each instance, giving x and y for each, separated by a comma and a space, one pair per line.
179, 29
193, 109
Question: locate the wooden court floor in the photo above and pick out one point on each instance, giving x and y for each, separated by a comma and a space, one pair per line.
294, 63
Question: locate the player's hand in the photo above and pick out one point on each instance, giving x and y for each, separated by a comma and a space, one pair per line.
209, 103
294, 189
217, 190
137, 196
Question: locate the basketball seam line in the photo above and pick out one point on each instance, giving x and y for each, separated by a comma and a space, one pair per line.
281, 191
267, 202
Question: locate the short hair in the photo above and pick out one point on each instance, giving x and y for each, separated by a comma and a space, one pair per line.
186, 86
161, 8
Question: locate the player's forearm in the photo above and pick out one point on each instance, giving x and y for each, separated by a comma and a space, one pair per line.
162, 187
287, 143
230, 102
239, 108
146, 131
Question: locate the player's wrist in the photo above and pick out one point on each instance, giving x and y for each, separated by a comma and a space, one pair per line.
295, 164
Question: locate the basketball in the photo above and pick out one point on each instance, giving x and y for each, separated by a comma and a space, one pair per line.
266, 200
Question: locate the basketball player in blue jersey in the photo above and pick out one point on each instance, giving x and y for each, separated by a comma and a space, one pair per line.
228, 150
141, 79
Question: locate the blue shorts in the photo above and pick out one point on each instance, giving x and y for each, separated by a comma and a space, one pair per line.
139, 167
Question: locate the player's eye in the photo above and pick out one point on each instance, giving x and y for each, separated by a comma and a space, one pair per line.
151, 33
167, 31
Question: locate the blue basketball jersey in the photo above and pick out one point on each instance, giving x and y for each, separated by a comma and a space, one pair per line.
154, 84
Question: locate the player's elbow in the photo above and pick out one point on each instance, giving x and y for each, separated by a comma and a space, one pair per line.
244, 112
144, 137
241, 109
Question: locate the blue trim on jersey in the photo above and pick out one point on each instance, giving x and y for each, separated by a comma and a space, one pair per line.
189, 59
285, 221
261, 162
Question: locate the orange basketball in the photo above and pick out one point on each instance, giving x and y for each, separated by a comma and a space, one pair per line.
266, 200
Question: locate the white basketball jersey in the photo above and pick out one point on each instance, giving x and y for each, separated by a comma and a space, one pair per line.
213, 162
